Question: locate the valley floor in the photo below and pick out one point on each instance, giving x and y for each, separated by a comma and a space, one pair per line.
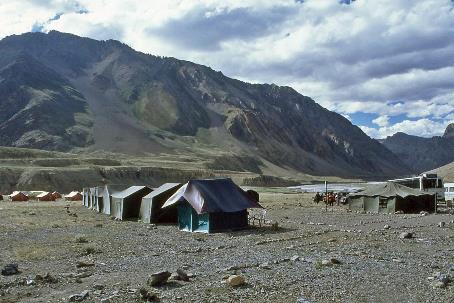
376, 264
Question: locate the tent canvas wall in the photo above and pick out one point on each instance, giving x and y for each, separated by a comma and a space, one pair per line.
93, 197
99, 199
391, 197
56, 195
74, 196
18, 196
85, 193
211, 205
126, 204
105, 196
45, 196
151, 210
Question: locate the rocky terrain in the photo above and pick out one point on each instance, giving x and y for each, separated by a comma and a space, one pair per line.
71, 254
63, 92
423, 154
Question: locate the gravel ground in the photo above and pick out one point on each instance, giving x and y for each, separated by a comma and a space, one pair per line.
283, 265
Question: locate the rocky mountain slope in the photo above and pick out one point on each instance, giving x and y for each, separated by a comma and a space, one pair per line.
449, 132
422, 154
60, 92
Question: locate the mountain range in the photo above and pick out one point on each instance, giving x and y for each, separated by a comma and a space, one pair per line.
62, 92
423, 154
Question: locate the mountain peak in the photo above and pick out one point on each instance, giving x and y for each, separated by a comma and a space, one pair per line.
449, 132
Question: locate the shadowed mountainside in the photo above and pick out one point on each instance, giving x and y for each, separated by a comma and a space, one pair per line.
59, 92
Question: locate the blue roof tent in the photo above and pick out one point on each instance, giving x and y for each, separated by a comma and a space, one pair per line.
212, 205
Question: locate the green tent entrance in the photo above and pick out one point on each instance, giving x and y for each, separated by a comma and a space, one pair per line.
190, 220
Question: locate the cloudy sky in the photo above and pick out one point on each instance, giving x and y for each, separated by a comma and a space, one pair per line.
386, 65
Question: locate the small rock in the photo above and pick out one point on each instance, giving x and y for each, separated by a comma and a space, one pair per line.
265, 265
441, 224
191, 275
82, 263
32, 213
148, 295
398, 260
235, 280
108, 299
81, 239
295, 258
386, 226
406, 235
158, 278
335, 261
175, 277
98, 286
27, 281
47, 278
79, 297
82, 275
438, 284
326, 263
10, 269
183, 275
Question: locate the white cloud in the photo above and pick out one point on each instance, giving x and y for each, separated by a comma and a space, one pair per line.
381, 121
422, 127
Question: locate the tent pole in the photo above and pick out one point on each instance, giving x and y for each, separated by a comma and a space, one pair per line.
435, 202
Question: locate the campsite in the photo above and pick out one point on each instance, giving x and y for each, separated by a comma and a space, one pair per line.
316, 255
287, 151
